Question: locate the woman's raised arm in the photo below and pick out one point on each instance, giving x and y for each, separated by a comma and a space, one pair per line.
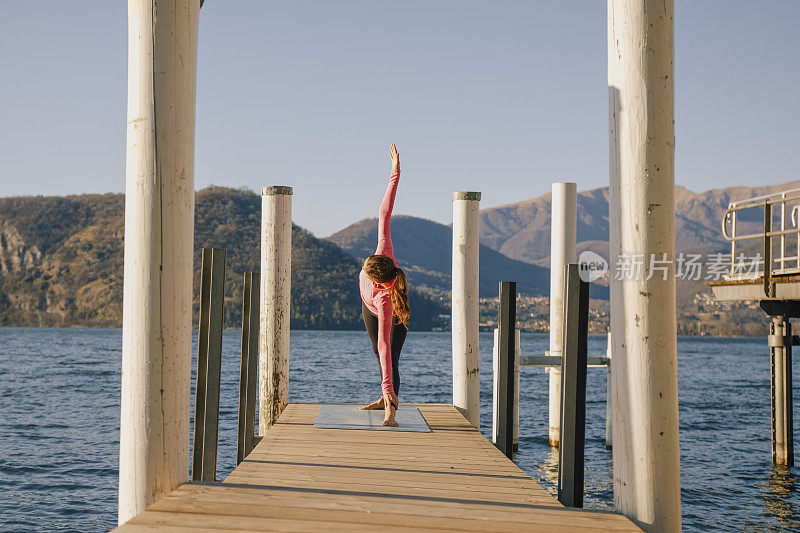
385, 211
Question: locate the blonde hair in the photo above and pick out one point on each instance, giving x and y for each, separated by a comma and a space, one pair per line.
381, 269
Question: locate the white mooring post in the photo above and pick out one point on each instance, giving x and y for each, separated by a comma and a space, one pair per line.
276, 273
643, 322
466, 391
159, 236
563, 220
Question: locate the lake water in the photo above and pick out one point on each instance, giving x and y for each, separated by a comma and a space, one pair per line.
59, 429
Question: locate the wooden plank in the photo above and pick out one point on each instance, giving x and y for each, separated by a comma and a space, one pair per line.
250, 523
373, 504
299, 478
376, 516
393, 487
397, 459
338, 471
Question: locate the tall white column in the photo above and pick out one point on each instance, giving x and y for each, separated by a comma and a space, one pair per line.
645, 385
159, 236
466, 390
563, 220
276, 280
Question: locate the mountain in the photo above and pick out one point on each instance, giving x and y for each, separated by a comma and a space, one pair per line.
61, 257
522, 230
61, 263
425, 248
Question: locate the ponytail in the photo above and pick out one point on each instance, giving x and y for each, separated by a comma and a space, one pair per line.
400, 298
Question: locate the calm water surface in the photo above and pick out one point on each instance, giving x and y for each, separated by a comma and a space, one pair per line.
59, 429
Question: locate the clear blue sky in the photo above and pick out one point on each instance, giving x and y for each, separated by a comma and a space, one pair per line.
501, 97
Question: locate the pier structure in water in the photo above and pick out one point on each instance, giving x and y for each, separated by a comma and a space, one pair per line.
765, 267
154, 423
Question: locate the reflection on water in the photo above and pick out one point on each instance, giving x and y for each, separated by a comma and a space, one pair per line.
549, 468
777, 494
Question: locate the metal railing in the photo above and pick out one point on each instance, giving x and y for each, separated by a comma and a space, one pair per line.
774, 257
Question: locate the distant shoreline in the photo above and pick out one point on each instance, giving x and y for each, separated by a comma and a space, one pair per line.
706, 335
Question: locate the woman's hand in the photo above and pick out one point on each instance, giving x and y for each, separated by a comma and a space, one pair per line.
395, 157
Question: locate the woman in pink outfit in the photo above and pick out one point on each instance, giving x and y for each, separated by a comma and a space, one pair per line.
384, 303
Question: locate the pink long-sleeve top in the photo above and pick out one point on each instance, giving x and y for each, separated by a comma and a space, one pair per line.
377, 297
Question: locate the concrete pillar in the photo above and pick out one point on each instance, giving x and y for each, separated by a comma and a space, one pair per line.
466, 391
563, 219
645, 384
276, 274
159, 236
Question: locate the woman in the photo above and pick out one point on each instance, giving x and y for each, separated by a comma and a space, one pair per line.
384, 303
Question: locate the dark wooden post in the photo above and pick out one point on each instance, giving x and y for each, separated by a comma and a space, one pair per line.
252, 364
573, 388
248, 377
209, 362
506, 351
241, 434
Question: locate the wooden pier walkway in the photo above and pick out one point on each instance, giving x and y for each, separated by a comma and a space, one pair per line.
301, 478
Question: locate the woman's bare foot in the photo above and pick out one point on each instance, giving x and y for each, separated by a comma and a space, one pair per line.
377, 404
388, 419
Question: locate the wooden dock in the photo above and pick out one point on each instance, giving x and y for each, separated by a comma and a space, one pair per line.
301, 478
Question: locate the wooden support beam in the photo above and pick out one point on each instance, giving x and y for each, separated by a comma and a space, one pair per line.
573, 388
209, 365
495, 375
252, 364
248, 372
506, 349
